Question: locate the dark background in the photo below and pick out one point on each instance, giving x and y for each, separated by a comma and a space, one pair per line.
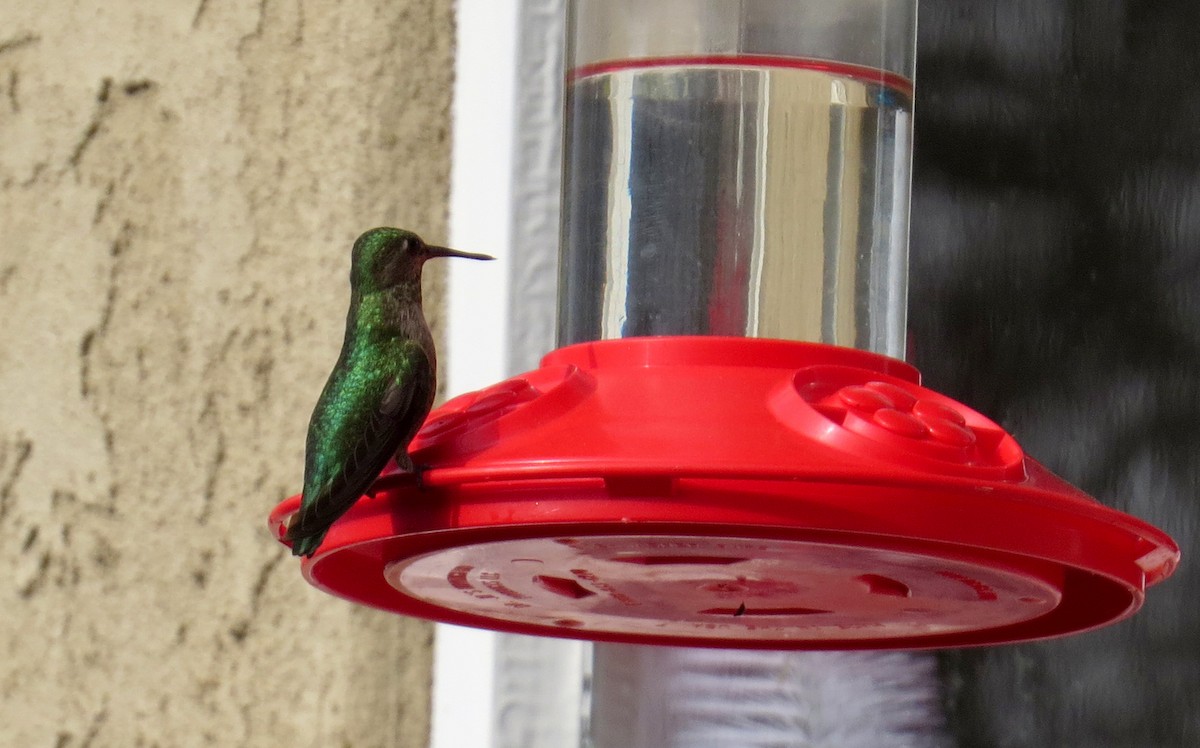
1055, 286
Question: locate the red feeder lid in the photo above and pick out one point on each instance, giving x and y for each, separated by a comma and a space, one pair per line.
734, 492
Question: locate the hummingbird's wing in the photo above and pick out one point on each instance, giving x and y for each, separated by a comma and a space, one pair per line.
349, 447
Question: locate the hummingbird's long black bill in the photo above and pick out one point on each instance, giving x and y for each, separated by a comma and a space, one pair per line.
435, 251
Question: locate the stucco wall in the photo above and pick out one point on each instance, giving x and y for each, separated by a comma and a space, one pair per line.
179, 187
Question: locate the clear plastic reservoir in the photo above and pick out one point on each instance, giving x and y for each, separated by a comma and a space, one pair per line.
738, 168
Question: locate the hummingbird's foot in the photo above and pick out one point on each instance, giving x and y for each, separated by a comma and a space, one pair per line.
419, 474
405, 467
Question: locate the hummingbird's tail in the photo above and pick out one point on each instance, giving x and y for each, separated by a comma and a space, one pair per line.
307, 546
304, 543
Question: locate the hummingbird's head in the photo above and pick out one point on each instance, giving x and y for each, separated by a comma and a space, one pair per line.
387, 257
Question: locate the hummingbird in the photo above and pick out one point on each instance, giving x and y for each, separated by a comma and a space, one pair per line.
381, 388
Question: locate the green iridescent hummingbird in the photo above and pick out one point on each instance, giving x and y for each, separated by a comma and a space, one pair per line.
382, 387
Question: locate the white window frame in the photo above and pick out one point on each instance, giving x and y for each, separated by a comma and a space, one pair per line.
495, 690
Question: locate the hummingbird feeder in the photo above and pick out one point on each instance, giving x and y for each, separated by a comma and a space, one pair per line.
726, 450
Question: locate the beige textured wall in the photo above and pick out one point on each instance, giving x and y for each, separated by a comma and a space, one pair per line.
179, 186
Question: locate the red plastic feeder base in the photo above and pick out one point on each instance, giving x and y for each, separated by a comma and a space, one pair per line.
737, 493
